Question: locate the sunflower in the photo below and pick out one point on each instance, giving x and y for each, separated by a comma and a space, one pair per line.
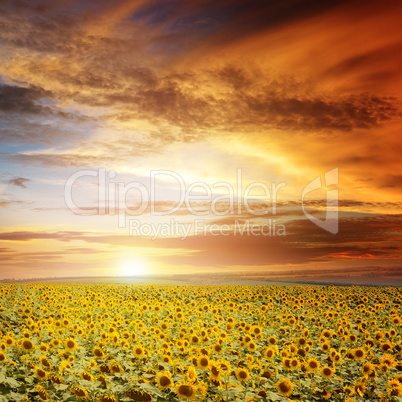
353, 338
359, 388
186, 391
116, 368
166, 359
104, 368
92, 363
139, 351
286, 363
87, 376
284, 387
191, 375
272, 340
359, 353
337, 358
293, 348
269, 353
368, 368
394, 388
251, 346
327, 372
164, 380
217, 348
386, 347
3, 357
107, 398
56, 379
41, 374
383, 367
348, 390
326, 333
257, 330
203, 362
71, 345
267, 374
325, 394
398, 378
42, 393
63, 354
137, 395
216, 372
43, 347
194, 339
294, 363
97, 352
80, 393
55, 342
63, 365
242, 374
325, 346
45, 362
26, 334
102, 379
27, 345
388, 360
302, 341
9, 341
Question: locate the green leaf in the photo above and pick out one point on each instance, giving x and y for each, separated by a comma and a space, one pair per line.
16, 397
61, 387
273, 396
11, 382
151, 388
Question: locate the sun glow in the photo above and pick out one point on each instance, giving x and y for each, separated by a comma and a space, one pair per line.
133, 267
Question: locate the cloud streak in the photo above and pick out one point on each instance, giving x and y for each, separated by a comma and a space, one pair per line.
18, 182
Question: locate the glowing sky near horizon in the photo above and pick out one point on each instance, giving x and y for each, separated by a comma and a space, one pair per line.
284, 91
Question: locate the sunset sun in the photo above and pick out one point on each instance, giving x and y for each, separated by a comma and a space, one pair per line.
133, 267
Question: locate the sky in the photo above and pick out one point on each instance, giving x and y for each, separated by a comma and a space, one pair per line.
198, 136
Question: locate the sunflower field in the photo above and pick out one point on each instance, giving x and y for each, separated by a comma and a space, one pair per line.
106, 343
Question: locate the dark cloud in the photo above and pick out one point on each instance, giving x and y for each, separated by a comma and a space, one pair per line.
371, 231
32, 100
30, 116
15, 99
109, 69
226, 21
241, 107
18, 181
382, 58
391, 180
45, 28
316, 114
60, 27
